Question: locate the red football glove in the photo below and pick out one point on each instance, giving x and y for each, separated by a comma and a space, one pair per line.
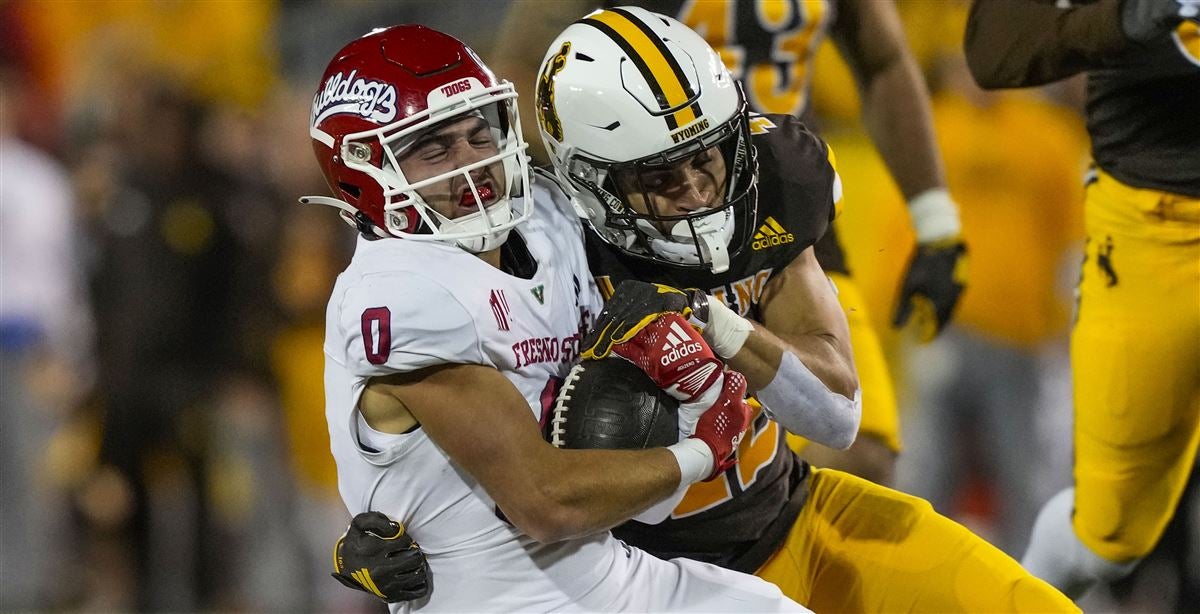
724, 423
675, 357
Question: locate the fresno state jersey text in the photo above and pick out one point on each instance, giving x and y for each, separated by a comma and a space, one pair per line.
546, 349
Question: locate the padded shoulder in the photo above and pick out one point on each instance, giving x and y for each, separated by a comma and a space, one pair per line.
797, 179
397, 322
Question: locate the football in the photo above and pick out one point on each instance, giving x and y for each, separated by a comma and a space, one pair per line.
610, 404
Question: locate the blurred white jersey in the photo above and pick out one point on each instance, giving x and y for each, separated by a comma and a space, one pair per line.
403, 305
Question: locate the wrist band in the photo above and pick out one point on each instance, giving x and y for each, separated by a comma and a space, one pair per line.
726, 332
934, 215
695, 460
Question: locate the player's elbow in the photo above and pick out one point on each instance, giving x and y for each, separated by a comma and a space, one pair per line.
842, 382
547, 528
547, 517
836, 372
545, 525
843, 440
847, 416
829, 419
826, 410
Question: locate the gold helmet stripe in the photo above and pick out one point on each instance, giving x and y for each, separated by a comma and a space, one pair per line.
653, 60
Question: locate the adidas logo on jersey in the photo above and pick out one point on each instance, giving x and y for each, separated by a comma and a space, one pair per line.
675, 347
771, 234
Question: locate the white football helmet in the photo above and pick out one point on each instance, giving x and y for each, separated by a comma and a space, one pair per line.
625, 95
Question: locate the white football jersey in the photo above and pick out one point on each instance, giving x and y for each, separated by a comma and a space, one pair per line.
405, 305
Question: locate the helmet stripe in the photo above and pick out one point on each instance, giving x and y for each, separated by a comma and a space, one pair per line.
651, 57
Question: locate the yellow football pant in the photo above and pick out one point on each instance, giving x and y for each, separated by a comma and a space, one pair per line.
861, 547
1135, 353
880, 418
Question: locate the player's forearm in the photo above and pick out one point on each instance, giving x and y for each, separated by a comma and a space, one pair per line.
1023, 43
760, 358
588, 491
808, 385
898, 119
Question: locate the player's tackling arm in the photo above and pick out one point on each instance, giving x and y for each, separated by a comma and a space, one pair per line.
477, 417
798, 360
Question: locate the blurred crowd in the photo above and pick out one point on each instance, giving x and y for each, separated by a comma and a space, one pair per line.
162, 294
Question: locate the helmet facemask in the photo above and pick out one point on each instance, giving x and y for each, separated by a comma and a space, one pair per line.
646, 211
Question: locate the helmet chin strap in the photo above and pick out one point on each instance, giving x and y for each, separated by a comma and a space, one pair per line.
499, 213
714, 233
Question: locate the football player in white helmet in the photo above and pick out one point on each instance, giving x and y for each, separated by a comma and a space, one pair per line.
681, 186
662, 169
770, 47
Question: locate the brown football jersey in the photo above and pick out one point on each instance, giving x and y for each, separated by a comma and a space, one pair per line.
742, 517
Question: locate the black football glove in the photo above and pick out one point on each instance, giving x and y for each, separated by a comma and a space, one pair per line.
936, 278
376, 555
1143, 21
633, 306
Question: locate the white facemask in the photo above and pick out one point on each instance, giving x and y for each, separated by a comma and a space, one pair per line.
714, 232
498, 214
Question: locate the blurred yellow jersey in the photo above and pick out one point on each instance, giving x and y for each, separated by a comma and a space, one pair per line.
1015, 165
220, 51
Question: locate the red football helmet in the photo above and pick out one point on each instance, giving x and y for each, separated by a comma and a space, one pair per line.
378, 96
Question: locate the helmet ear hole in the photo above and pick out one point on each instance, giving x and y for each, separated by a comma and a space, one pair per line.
503, 118
349, 190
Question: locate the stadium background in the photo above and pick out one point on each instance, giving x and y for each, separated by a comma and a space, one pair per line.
162, 298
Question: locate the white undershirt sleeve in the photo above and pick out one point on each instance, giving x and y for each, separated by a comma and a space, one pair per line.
801, 403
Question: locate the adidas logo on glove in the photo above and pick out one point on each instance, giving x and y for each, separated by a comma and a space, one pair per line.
675, 347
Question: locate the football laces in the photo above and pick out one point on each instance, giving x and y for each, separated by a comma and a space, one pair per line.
559, 419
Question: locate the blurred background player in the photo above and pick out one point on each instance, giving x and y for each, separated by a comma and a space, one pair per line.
1135, 347
985, 395
769, 46
46, 348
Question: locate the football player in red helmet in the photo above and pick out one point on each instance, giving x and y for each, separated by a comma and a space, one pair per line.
422, 146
